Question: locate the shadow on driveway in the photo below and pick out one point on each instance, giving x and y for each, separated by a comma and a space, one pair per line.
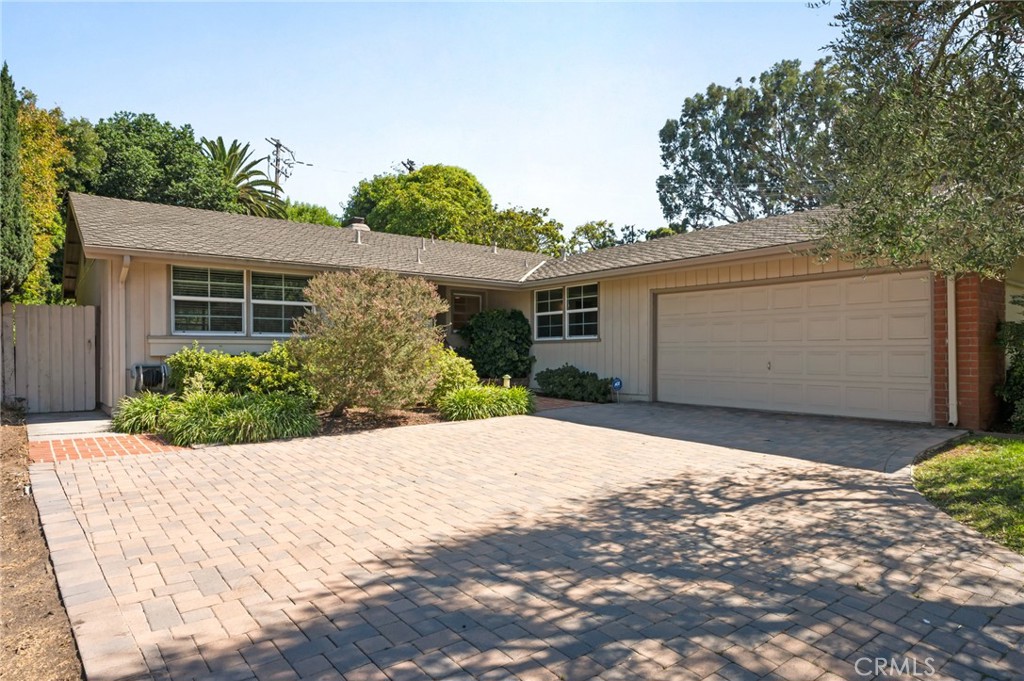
854, 443
749, 575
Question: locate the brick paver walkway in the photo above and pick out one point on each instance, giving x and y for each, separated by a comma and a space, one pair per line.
528, 548
99, 446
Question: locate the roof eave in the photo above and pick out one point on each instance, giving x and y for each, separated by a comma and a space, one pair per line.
632, 270
107, 252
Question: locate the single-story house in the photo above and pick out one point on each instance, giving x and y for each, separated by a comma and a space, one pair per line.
743, 315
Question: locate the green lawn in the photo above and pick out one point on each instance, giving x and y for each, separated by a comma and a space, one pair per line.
981, 484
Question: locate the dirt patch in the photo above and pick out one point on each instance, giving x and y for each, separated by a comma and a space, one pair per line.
36, 634
355, 420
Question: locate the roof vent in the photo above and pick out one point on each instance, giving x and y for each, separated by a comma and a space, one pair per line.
565, 254
494, 247
360, 224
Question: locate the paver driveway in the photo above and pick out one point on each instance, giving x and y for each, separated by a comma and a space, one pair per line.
639, 542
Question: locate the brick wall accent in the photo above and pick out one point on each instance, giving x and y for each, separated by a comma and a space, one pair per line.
980, 306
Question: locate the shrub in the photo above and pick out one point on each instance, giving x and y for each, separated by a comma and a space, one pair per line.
202, 417
368, 344
139, 414
485, 401
499, 343
451, 372
274, 371
570, 383
1011, 338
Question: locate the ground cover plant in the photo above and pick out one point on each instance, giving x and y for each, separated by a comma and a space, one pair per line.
484, 402
569, 383
981, 484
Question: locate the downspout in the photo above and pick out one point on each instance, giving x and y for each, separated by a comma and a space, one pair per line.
126, 263
954, 415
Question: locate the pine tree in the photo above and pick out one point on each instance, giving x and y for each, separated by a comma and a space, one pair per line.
16, 256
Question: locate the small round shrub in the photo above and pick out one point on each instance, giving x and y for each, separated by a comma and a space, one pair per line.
276, 370
193, 418
452, 373
485, 401
498, 343
139, 414
569, 383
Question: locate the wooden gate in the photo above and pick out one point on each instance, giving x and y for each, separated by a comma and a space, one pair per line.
49, 357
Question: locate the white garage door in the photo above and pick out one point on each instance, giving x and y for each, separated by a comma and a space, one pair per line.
848, 347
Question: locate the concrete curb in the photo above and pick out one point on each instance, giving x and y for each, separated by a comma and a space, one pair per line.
107, 649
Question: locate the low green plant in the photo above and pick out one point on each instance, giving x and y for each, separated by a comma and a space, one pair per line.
568, 382
498, 343
485, 401
205, 417
139, 414
276, 370
452, 373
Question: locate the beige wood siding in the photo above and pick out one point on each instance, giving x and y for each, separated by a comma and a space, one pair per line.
1015, 287
624, 347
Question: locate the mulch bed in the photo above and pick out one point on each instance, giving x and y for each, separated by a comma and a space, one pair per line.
36, 635
356, 420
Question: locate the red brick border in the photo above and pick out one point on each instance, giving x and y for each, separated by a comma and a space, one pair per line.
103, 446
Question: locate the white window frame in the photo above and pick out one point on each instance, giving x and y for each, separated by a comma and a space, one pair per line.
253, 301
565, 312
569, 312
205, 299
537, 315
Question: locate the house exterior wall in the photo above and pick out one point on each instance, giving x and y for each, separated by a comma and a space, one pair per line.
624, 347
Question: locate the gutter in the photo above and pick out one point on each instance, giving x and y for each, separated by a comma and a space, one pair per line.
954, 408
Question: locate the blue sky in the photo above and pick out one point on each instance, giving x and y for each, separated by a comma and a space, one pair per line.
550, 105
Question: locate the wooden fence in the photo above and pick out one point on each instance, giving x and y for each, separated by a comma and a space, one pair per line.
49, 357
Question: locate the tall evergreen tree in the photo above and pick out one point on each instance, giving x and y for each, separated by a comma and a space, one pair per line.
16, 256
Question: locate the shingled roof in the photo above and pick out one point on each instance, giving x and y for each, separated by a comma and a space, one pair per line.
117, 225
780, 230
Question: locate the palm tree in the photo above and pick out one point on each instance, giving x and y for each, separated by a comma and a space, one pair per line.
257, 193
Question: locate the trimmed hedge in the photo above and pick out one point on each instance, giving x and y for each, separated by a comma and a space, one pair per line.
569, 383
274, 371
484, 402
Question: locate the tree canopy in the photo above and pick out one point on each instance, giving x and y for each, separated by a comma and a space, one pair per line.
16, 255
146, 160
753, 150
932, 134
449, 202
310, 213
44, 156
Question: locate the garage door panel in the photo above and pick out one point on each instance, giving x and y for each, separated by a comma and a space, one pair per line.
856, 347
909, 326
909, 364
824, 328
789, 329
865, 363
823, 295
867, 292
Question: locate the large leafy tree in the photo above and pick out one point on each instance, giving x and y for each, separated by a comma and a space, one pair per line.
147, 160
756, 149
82, 170
450, 203
44, 156
444, 201
932, 135
602, 234
16, 257
310, 213
257, 194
